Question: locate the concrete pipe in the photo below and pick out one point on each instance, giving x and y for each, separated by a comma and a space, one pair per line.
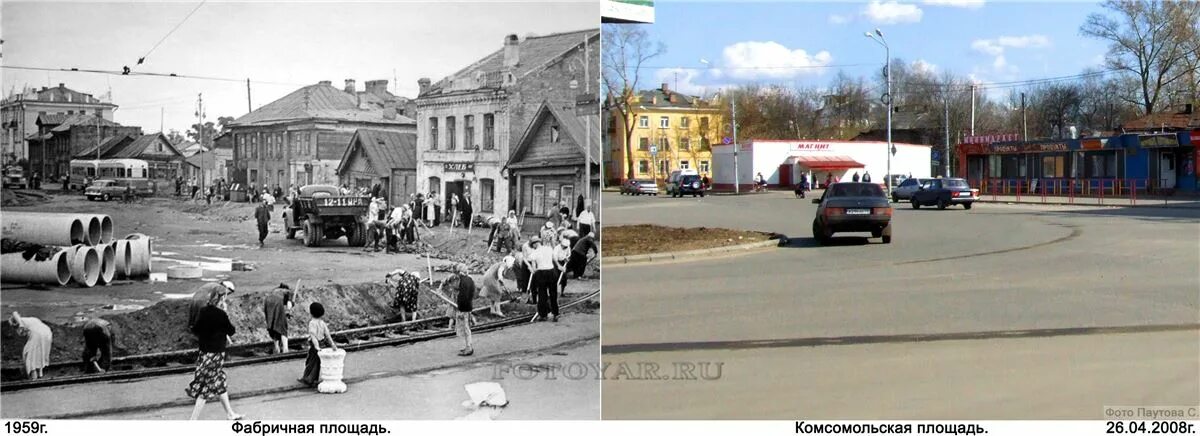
124, 257
54, 271
85, 265
185, 272
91, 225
332, 364
108, 263
43, 228
104, 224
139, 246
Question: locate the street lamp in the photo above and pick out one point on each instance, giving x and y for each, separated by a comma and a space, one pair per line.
733, 112
887, 75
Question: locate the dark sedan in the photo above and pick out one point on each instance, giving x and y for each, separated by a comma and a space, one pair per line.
853, 207
944, 192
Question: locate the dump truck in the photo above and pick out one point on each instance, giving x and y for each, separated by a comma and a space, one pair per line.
322, 212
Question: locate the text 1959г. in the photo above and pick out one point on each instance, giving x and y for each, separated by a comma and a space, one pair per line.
24, 427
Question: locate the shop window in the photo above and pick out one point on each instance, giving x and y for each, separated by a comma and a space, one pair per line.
537, 201
1053, 166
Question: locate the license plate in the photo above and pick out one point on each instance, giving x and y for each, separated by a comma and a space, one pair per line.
964, 194
858, 211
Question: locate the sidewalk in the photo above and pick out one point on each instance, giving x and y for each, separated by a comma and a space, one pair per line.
1153, 201
91, 399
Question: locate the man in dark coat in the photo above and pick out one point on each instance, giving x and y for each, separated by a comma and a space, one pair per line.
466, 210
262, 214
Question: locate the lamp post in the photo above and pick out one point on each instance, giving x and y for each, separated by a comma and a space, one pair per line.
587, 152
887, 75
733, 124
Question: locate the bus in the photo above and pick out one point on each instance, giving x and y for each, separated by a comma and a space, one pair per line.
83, 171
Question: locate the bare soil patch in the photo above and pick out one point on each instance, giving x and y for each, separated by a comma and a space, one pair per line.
648, 238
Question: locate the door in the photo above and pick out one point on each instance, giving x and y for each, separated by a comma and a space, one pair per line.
1166, 169
453, 189
785, 175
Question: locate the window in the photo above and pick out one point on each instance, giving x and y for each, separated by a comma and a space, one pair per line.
684, 165
469, 132
567, 192
254, 146
449, 133
70, 112
160, 147
684, 123
435, 184
1053, 166
487, 195
98, 112
554, 136
308, 144
489, 131
279, 178
433, 133
643, 167
538, 199
685, 144
644, 122
704, 145
704, 166
644, 144
664, 122
704, 124
664, 167
663, 145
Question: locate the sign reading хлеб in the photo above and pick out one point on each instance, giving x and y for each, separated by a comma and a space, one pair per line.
459, 167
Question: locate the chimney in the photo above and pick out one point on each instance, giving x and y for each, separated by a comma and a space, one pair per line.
389, 114
422, 85
62, 85
665, 88
350, 86
512, 51
325, 83
377, 87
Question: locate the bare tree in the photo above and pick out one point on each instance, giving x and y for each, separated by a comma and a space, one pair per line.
626, 48
1150, 40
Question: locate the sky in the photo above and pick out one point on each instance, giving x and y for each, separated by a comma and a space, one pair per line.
806, 43
279, 46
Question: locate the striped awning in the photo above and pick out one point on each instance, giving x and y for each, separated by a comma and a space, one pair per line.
827, 162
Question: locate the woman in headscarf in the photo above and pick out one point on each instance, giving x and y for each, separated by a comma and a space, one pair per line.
406, 285
549, 234
214, 330
275, 308
36, 353
318, 330
493, 284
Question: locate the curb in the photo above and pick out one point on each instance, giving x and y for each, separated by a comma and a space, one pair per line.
1059, 203
680, 255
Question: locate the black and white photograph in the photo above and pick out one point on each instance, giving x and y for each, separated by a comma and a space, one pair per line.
300, 211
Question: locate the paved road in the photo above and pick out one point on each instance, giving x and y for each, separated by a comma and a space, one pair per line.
994, 268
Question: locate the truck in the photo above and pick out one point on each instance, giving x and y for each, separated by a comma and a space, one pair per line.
322, 212
15, 176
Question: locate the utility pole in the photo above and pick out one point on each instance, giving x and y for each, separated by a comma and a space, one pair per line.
1024, 125
249, 107
972, 110
587, 149
200, 135
946, 133
736, 180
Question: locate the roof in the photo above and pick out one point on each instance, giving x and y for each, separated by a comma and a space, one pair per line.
75, 120
570, 124
58, 94
827, 162
320, 101
118, 147
384, 149
1182, 120
660, 98
535, 53
105, 146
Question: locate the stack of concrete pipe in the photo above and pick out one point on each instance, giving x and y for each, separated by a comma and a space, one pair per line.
86, 254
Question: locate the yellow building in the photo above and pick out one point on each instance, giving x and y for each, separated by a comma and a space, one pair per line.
679, 128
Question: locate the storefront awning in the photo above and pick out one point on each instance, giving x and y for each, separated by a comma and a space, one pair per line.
827, 162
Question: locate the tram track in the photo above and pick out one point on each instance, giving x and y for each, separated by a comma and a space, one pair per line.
183, 361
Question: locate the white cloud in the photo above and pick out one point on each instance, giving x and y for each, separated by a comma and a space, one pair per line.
840, 19
769, 59
997, 47
966, 4
892, 12
923, 66
682, 80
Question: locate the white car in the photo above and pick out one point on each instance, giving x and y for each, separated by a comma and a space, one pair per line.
905, 189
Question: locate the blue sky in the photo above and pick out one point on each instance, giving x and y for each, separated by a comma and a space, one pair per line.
745, 42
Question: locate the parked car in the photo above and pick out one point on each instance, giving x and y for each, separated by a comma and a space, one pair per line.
943, 193
673, 181
906, 188
853, 207
639, 187
14, 176
689, 184
104, 190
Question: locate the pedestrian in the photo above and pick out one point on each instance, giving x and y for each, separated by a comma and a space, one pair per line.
579, 254
202, 296
453, 209
394, 228
278, 192
36, 183
318, 331
406, 285
408, 226
262, 214
36, 354
465, 291
467, 210
564, 209
194, 187
99, 339
208, 196
376, 224
493, 288
376, 189
541, 261
214, 332
419, 207
855, 178
525, 268
562, 254
494, 223
866, 177
828, 179
549, 234
178, 186
275, 309
704, 181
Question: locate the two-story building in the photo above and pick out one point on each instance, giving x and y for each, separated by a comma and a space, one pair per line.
19, 113
59, 137
670, 131
300, 138
468, 121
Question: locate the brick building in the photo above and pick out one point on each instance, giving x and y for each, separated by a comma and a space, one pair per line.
19, 114
680, 129
58, 137
467, 121
301, 137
